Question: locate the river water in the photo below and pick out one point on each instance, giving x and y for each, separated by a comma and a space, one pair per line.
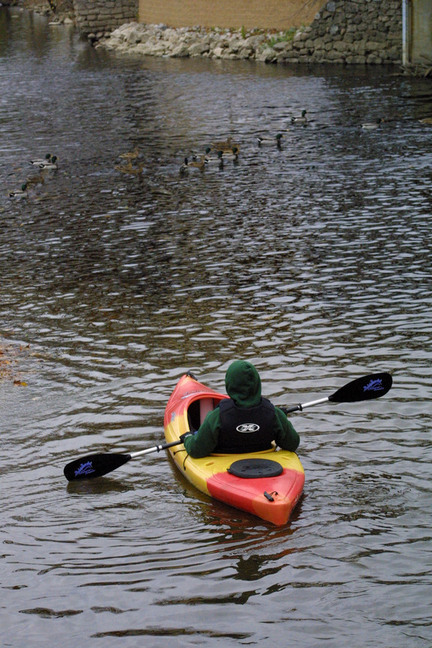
312, 261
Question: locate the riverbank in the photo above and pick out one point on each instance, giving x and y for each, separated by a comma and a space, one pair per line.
327, 40
183, 42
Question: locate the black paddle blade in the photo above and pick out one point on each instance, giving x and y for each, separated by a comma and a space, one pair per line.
94, 465
365, 388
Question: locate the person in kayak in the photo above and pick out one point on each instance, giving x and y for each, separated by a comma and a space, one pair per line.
245, 422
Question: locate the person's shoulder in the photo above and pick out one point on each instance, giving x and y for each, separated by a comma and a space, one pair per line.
265, 402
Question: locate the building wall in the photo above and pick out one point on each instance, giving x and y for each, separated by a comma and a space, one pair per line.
97, 16
421, 32
264, 14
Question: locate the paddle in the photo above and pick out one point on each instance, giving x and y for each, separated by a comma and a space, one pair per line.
96, 465
365, 388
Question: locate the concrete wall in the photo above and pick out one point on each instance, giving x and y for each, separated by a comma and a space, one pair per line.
98, 16
265, 14
421, 32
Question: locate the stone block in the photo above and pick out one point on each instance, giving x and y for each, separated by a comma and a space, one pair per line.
372, 46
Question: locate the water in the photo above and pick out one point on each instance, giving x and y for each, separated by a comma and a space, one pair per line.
312, 261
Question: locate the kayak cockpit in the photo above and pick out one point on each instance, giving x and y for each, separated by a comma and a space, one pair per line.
198, 410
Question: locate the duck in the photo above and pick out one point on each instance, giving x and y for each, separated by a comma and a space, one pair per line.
300, 121
426, 120
184, 167
372, 125
49, 165
263, 141
19, 193
226, 146
233, 155
130, 155
39, 161
130, 169
213, 158
198, 163
34, 180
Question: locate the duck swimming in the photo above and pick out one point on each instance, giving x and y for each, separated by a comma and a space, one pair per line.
130, 155
39, 161
34, 180
263, 141
184, 167
198, 163
226, 146
50, 164
233, 154
19, 193
300, 121
214, 158
130, 169
372, 125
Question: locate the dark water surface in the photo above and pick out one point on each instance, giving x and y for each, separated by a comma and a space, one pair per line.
313, 262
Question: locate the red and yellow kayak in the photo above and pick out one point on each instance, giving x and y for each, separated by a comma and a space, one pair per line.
267, 484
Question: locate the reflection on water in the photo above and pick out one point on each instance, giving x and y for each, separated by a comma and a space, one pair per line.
312, 261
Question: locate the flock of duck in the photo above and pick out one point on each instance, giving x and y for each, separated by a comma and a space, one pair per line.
229, 149
220, 151
217, 153
47, 164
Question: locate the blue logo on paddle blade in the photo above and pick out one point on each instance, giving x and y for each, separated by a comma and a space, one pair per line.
85, 469
373, 385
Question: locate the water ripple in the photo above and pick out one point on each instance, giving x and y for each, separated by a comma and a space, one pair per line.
312, 261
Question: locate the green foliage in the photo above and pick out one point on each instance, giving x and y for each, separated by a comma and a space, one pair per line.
282, 37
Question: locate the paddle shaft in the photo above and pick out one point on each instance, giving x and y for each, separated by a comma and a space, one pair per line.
302, 406
157, 448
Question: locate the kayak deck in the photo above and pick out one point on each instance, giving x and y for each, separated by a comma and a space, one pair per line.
272, 498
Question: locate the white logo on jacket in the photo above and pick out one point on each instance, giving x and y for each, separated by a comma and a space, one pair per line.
247, 428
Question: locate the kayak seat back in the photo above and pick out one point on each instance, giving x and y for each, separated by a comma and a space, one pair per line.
198, 410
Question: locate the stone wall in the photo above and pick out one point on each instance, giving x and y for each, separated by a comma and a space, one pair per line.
99, 16
349, 31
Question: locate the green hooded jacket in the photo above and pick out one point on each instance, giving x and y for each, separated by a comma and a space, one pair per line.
243, 385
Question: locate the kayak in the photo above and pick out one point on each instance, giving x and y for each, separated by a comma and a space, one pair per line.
267, 484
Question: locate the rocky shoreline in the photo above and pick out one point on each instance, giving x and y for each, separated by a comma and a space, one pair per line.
217, 43
293, 46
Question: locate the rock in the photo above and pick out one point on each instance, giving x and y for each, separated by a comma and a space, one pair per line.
198, 49
181, 51
268, 55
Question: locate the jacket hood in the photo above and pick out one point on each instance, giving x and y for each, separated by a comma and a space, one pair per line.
243, 384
